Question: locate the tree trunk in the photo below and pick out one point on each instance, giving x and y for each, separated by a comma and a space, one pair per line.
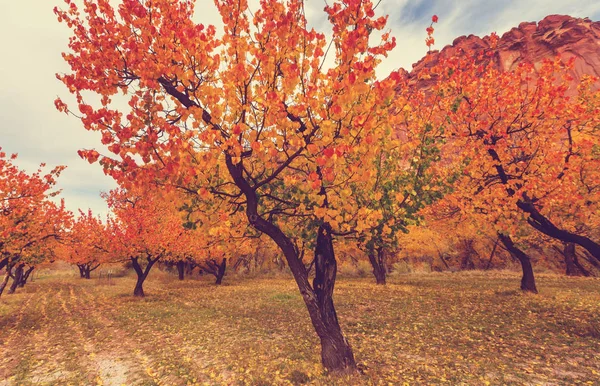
3, 262
221, 271
378, 263
528, 280
6, 277
441, 256
590, 259
336, 353
489, 263
569, 254
544, 225
189, 267
85, 270
572, 265
16, 279
90, 268
180, 269
26, 276
216, 269
142, 274
466, 262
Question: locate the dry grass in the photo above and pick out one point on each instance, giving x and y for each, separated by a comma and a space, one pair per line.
420, 329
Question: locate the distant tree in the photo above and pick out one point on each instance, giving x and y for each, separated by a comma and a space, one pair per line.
30, 223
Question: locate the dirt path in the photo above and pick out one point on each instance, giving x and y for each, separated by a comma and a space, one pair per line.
163, 353
115, 355
12, 335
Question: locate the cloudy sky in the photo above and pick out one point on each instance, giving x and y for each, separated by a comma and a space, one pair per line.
31, 41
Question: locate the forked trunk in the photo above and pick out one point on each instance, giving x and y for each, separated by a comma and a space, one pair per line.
16, 279
142, 274
139, 287
26, 276
216, 269
528, 280
377, 261
84, 271
336, 353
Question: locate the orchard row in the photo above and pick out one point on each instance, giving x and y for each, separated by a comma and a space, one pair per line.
224, 142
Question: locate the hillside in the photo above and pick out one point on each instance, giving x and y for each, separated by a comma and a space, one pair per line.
533, 42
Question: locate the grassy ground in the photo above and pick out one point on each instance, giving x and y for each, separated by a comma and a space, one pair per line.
419, 329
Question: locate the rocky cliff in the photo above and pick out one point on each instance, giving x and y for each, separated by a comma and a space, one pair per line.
532, 42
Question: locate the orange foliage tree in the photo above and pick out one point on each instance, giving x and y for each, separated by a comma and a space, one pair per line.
215, 236
253, 115
146, 228
30, 223
525, 148
87, 244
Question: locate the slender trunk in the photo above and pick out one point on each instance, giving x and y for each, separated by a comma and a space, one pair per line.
580, 267
180, 269
336, 353
569, 253
3, 262
139, 289
26, 276
16, 279
6, 277
466, 262
528, 280
142, 274
377, 260
86, 271
573, 267
238, 262
441, 256
81, 271
91, 268
489, 263
189, 267
587, 257
221, 271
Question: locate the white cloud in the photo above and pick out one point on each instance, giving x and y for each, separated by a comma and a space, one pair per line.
31, 42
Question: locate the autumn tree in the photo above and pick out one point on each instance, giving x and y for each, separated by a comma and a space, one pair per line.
520, 137
214, 236
256, 107
406, 176
87, 244
146, 228
30, 222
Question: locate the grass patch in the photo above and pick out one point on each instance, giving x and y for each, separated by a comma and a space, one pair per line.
421, 328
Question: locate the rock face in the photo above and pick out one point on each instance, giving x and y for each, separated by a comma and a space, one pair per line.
533, 42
